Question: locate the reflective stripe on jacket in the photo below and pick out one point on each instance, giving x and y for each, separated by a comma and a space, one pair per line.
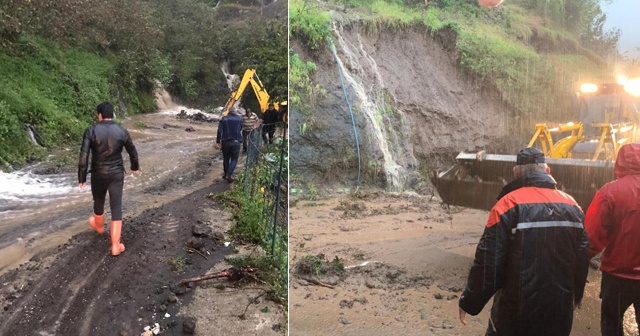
533, 256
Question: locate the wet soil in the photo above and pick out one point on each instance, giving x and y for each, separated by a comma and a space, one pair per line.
75, 287
406, 263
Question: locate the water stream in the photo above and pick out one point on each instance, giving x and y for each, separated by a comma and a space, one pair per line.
25, 189
363, 79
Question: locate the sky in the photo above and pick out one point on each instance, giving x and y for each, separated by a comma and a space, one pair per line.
625, 15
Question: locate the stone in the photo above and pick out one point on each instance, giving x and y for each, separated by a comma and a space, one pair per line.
195, 243
189, 327
200, 230
172, 298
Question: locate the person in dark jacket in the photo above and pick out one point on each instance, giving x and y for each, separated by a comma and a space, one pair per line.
229, 139
613, 224
269, 121
105, 141
533, 255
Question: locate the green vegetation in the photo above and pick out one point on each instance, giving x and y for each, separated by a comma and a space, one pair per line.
304, 93
60, 58
269, 274
316, 265
258, 205
177, 263
51, 88
309, 23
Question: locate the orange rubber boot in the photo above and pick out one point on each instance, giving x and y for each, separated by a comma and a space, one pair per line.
116, 230
97, 223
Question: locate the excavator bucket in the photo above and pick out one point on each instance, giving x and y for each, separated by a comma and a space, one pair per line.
476, 180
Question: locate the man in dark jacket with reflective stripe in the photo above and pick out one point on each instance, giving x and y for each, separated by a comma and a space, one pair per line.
105, 141
613, 224
533, 255
229, 139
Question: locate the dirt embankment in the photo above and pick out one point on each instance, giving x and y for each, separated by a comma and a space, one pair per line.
434, 111
406, 261
176, 232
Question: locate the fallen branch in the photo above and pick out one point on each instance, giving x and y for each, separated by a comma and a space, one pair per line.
189, 249
251, 301
316, 282
232, 274
222, 274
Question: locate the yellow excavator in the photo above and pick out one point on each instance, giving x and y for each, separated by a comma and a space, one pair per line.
581, 158
251, 77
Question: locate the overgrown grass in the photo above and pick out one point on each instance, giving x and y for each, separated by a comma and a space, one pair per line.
54, 89
309, 23
304, 93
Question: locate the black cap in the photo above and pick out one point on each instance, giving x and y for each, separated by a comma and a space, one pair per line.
530, 155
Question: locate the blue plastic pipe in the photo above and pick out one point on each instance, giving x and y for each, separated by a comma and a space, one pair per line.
353, 121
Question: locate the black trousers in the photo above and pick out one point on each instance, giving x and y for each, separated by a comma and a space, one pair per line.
268, 130
113, 183
245, 137
617, 295
230, 154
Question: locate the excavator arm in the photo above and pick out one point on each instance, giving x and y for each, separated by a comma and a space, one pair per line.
562, 148
250, 78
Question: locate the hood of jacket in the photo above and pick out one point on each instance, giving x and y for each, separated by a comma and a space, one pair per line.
628, 161
534, 179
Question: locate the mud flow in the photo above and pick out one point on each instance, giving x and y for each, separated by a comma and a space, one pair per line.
384, 264
58, 275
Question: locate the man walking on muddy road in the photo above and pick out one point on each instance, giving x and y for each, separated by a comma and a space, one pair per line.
105, 141
533, 255
612, 224
229, 139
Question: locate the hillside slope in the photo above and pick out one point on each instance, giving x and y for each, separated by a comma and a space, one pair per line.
424, 84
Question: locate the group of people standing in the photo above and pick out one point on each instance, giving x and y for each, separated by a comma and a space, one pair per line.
534, 254
234, 130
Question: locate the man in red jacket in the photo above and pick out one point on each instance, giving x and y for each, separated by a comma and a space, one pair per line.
613, 223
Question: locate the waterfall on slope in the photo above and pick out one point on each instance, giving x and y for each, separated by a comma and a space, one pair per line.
367, 88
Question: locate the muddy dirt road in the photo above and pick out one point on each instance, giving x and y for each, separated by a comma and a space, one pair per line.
407, 260
43, 213
68, 284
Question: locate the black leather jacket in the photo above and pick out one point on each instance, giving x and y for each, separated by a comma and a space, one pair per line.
105, 141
